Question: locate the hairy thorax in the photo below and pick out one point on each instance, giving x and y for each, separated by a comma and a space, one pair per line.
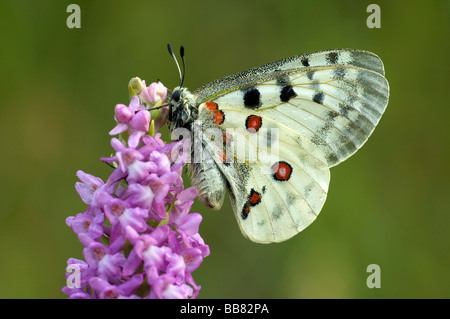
206, 176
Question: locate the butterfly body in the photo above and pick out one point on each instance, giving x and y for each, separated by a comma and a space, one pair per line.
270, 134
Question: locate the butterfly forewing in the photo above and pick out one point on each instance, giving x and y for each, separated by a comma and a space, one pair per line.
336, 106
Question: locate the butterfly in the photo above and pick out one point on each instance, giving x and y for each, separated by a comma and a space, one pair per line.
270, 135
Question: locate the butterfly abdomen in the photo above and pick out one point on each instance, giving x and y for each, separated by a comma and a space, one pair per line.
209, 182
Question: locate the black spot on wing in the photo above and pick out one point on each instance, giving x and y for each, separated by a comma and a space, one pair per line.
287, 93
318, 97
305, 62
332, 57
252, 98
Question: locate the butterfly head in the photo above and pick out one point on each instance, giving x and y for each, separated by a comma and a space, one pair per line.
182, 109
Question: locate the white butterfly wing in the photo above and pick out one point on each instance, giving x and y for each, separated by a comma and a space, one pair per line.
334, 98
271, 206
323, 107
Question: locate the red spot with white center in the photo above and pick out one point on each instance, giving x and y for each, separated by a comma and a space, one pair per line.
282, 171
253, 123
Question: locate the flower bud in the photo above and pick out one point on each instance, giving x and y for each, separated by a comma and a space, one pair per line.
157, 92
122, 113
135, 86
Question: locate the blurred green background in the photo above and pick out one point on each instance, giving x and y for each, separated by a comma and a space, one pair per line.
388, 204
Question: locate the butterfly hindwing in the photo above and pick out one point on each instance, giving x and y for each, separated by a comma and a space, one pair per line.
275, 190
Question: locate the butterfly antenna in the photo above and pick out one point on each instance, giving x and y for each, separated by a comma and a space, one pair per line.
169, 47
184, 65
